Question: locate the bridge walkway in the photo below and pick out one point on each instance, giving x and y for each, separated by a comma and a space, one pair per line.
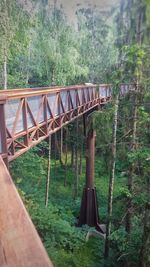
28, 116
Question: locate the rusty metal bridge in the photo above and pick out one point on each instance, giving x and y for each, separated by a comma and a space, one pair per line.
28, 116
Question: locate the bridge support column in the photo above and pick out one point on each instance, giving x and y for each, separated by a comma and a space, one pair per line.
89, 207
3, 136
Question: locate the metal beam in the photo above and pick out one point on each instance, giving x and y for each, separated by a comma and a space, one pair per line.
90, 158
89, 206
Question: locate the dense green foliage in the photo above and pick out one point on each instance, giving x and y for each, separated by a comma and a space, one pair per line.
42, 48
39, 47
65, 243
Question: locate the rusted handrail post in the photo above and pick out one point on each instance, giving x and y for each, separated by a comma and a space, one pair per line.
3, 135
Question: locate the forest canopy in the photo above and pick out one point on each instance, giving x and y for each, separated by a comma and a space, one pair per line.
40, 46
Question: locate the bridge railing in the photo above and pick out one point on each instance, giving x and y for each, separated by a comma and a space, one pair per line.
28, 116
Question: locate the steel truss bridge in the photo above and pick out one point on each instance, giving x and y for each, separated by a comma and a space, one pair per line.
28, 116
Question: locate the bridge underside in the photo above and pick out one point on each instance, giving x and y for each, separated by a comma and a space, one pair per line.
23, 141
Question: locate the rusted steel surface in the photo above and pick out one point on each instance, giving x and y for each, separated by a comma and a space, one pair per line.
89, 207
90, 158
20, 245
32, 114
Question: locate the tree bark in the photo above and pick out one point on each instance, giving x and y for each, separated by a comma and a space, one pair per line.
146, 230
72, 155
5, 70
66, 157
111, 183
76, 162
48, 174
132, 166
28, 64
80, 158
61, 148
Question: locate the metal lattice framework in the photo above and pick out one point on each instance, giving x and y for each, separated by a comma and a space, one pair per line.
28, 116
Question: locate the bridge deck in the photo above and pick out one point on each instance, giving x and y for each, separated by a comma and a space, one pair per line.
28, 116
20, 244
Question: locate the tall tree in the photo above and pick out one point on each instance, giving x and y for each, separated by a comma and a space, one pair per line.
111, 181
12, 32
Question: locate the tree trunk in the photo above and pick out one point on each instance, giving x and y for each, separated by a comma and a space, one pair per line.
145, 239
66, 157
132, 167
6, 33
72, 155
146, 230
61, 148
111, 184
5, 70
61, 143
80, 158
48, 174
55, 154
28, 64
76, 162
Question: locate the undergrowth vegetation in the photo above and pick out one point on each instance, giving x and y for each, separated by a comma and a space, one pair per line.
65, 243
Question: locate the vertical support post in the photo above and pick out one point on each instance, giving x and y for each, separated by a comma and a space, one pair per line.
3, 136
77, 99
90, 158
89, 207
59, 109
